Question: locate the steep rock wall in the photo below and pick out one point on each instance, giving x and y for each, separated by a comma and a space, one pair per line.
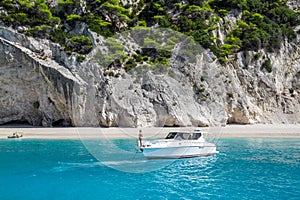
42, 85
34, 90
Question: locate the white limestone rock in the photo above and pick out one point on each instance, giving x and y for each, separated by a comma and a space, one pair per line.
42, 85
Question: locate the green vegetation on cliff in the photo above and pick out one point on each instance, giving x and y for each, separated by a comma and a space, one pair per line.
260, 24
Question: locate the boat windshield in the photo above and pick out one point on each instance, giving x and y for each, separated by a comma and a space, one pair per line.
195, 136
171, 135
183, 136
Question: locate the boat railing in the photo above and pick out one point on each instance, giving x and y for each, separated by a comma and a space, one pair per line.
175, 142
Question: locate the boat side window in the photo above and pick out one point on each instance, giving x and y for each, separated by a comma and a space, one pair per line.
186, 136
178, 136
182, 136
196, 136
171, 135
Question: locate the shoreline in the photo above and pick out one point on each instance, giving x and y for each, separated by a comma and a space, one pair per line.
229, 131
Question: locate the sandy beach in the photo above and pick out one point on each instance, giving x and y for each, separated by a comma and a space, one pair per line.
229, 131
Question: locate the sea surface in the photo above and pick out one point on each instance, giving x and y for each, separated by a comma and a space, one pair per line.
70, 169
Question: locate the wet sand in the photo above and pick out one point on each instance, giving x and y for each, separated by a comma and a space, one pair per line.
229, 131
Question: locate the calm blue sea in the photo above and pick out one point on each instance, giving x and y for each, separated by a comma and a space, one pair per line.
65, 169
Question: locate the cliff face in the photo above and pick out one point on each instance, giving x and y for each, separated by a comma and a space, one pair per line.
42, 85
264, 87
39, 90
34, 88
270, 97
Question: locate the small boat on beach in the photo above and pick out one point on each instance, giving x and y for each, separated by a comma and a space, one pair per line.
15, 135
178, 145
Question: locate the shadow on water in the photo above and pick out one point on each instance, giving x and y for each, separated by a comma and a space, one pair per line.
123, 155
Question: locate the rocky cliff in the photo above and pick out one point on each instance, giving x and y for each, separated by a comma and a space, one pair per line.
40, 84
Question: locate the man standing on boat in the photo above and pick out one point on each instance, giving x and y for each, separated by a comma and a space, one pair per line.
140, 139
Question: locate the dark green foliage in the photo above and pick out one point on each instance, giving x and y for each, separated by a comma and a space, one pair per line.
23, 12
59, 36
230, 95
140, 58
130, 64
199, 90
157, 56
110, 73
73, 17
80, 44
66, 7
257, 56
43, 31
263, 24
36, 104
98, 25
223, 12
163, 21
267, 65
43, 23
80, 58
106, 17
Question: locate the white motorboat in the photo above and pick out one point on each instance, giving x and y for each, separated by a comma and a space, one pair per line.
178, 145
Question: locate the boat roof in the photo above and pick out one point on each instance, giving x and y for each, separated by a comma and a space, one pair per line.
184, 135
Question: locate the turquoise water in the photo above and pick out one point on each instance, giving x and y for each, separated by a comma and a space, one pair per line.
64, 169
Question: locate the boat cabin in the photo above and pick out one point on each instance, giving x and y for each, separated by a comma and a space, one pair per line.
183, 136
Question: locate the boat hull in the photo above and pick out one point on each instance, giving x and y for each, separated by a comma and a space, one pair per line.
179, 152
